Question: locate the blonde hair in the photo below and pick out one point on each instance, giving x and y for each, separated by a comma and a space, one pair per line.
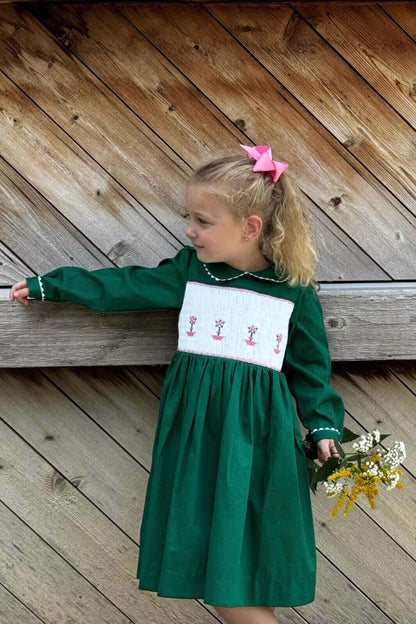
286, 239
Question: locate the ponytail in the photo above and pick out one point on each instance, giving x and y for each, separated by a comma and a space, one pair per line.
287, 239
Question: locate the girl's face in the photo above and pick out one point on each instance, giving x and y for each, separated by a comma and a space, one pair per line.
216, 234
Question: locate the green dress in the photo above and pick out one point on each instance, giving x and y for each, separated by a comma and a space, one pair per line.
227, 515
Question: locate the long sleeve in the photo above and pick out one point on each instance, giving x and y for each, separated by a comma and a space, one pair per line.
307, 367
127, 288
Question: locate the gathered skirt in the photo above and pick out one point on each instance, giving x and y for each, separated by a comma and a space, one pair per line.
227, 515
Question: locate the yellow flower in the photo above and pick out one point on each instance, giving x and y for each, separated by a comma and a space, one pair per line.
340, 502
345, 472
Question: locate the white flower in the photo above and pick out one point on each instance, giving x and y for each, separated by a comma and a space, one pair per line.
367, 441
391, 481
334, 487
376, 436
364, 443
372, 471
393, 456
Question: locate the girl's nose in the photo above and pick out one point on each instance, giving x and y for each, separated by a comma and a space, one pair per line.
189, 231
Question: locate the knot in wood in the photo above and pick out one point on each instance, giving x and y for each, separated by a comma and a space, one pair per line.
241, 124
118, 250
58, 482
336, 323
76, 481
335, 201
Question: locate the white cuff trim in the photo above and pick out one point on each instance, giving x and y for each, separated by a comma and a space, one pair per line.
41, 287
325, 429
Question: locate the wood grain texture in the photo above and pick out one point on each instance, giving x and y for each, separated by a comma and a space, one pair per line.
332, 90
379, 50
361, 324
150, 85
104, 132
12, 610
90, 564
404, 14
39, 236
336, 181
41, 578
83, 192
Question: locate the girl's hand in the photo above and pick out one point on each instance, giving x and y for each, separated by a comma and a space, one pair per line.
326, 449
19, 292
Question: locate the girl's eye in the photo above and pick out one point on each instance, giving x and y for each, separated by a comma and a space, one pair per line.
202, 220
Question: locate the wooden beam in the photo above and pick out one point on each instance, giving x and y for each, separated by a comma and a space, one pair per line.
367, 321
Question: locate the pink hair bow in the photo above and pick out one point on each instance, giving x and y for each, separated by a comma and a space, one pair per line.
263, 155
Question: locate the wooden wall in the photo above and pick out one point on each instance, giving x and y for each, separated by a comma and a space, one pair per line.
107, 108
104, 111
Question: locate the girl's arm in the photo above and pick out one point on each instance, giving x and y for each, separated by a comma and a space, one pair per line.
128, 288
307, 367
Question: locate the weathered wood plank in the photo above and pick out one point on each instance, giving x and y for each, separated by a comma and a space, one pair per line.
331, 90
89, 460
404, 13
333, 178
111, 47
42, 579
88, 337
342, 258
183, 117
85, 194
40, 236
12, 610
378, 49
377, 399
362, 323
98, 123
406, 372
11, 267
27, 218
120, 404
83, 537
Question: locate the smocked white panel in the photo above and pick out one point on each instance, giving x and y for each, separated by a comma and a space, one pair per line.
234, 323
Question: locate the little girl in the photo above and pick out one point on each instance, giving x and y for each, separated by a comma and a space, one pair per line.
227, 514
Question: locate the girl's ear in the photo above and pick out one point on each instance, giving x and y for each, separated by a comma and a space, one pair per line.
252, 227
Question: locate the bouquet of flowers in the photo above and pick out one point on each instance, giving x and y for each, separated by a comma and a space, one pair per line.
357, 472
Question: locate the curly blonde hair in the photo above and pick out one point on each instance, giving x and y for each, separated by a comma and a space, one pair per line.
285, 239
